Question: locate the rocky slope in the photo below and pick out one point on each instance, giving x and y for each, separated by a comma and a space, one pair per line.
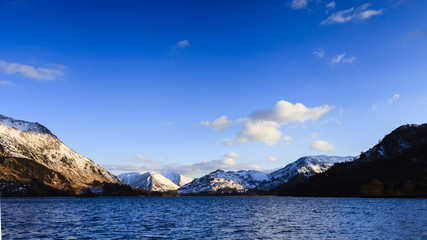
34, 142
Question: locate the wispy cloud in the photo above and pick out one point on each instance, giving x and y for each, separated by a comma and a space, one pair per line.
299, 4
413, 34
228, 142
331, 5
288, 140
144, 159
322, 146
48, 73
315, 135
340, 58
319, 52
232, 155
5, 83
378, 106
183, 44
352, 14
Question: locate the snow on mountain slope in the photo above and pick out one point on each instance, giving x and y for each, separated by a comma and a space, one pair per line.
208, 183
149, 181
176, 177
223, 181
129, 177
305, 166
244, 180
141, 180
33, 141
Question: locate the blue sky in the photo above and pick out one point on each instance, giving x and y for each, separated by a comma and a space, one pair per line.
198, 85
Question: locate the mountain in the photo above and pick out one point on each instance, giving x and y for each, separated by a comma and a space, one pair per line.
395, 167
224, 182
303, 168
242, 181
24, 144
155, 181
176, 177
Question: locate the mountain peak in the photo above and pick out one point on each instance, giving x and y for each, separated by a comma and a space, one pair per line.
24, 126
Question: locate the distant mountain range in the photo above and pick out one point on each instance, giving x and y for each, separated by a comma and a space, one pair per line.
155, 181
242, 181
34, 162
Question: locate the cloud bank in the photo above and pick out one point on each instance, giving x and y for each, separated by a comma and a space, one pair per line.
198, 168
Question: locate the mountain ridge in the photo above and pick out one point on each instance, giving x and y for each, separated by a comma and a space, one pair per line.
155, 181
244, 180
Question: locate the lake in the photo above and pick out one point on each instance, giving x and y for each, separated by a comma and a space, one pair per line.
213, 218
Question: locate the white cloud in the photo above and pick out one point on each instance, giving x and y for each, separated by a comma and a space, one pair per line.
319, 52
139, 156
183, 44
264, 125
218, 124
228, 142
49, 73
221, 123
272, 159
359, 14
232, 155
331, 5
378, 106
285, 112
260, 131
340, 58
322, 146
299, 4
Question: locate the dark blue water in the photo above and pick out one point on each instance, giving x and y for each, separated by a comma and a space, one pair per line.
213, 218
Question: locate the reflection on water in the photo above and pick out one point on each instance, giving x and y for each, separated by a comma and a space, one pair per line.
213, 218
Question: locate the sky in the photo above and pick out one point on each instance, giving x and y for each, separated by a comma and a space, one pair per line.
195, 86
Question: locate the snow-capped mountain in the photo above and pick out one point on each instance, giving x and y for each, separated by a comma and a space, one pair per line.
241, 181
225, 181
304, 167
155, 181
27, 140
176, 177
